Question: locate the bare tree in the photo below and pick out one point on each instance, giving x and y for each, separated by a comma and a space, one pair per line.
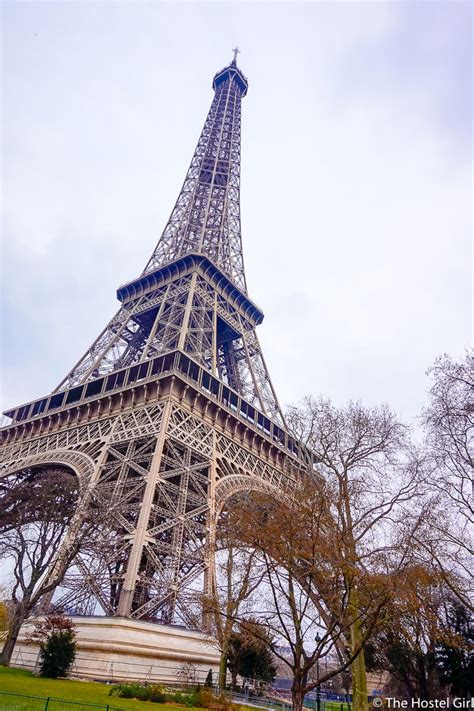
441, 543
371, 478
237, 576
449, 461
37, 507
186, 675
449, 425
334, 549
299, 549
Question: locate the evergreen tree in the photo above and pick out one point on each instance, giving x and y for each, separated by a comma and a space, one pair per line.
56, 636
249, 653
57, 654
455, 661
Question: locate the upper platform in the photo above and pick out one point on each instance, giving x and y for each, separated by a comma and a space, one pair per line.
184, 265
231, 72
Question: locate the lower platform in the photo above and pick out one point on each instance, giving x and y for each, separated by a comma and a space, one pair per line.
121, 649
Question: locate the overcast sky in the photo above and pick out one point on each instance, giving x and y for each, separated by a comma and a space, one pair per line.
356, 179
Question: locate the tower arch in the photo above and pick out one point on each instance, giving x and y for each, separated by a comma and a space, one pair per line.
81, 464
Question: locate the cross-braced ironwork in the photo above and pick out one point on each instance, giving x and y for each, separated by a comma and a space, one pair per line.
171, 410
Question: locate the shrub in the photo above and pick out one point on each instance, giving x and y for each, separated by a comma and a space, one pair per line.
56, 637
142, 692
157, 694
225, 702
204, 697
129, 691
186, 699
57, 654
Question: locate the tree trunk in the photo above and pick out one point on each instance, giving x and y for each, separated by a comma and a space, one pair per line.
223, 670
423, 683
12, 635
359, 674
297, 693
298, 689
359, 684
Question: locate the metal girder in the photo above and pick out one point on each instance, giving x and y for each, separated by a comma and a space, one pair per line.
206, 216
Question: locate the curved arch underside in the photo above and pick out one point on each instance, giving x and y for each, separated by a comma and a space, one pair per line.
238, 483
81, 464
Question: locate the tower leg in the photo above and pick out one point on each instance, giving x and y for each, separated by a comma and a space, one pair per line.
63, 558
210, 558
139, 537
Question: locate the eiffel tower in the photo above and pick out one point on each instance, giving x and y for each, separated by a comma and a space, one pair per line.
171, 410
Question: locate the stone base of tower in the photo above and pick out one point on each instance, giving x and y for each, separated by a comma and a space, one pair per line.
118, 649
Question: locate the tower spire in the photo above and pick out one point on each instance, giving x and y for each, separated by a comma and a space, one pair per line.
206, 216
236, 51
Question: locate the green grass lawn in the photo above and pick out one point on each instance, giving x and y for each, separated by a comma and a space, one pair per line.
20, 681
331, 706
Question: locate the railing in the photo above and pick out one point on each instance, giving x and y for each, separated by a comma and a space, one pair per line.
10, 701
115, 671
269, 702
260, 702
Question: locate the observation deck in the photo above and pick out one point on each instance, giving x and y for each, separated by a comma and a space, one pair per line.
231, 72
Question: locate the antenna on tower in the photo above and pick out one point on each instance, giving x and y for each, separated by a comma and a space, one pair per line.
236, 51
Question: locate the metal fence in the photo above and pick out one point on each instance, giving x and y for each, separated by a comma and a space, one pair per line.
24, 702
117, 670
271, 704
261, 702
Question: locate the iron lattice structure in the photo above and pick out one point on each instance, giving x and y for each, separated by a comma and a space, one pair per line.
171, 410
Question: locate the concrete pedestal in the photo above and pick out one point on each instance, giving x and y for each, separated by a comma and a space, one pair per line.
120, 649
